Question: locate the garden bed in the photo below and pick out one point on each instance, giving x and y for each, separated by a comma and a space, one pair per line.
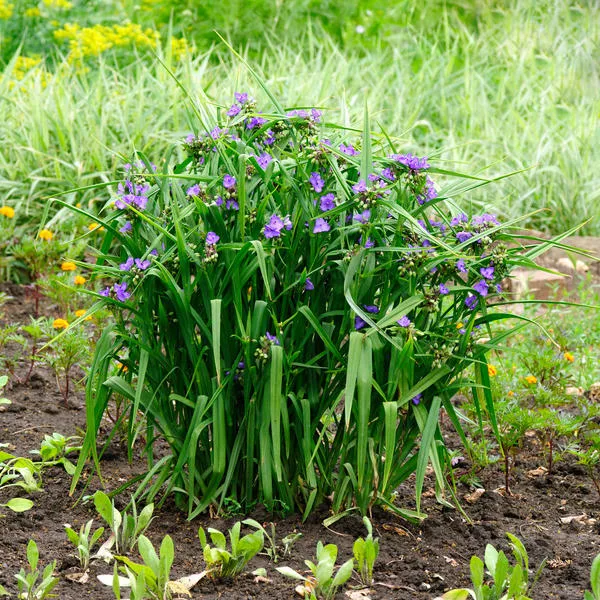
414, 562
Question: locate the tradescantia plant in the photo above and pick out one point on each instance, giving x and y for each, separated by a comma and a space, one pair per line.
293, 311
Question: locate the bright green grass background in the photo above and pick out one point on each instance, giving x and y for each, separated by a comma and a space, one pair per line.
480, 88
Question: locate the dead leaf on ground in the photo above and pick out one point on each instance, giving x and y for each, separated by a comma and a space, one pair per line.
395, 529
583, 519
359, 594
558, 563
78, 577
537, 472
475, 495
451, 561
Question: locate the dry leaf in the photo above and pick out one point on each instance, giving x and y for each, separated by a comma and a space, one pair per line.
475, 495
189, 581
359, 594
395, 529
451, 561
261, 579
78, 577
537, 472
179, 588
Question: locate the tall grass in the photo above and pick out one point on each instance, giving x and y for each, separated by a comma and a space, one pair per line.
508, 87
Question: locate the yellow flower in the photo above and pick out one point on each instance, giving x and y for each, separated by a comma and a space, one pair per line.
81, 312
60, 4
68, 266
123, 367
7, 211
45, 234
94, 226
569, 357
531, 379
510, 394
60, 324
32, 12
79, 280
459, 325
6, 10
492, 371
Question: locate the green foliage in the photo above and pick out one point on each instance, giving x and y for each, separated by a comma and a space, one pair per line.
365, 552
83, 542
22, 473
32, 583
55, 448
3, 382
126, 528
222, 563
325, 582
252, 413
594, 580
508, 582
273, 550
151, 579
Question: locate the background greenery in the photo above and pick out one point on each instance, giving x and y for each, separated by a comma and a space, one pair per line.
475, 85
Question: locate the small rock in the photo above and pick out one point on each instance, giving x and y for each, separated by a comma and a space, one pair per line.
424, 587
475, 496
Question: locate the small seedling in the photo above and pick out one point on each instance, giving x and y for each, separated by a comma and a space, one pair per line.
220, 563
323, 584
151, 579
54, 450
83, 542
272, 551
27, 580
508, 582
126, 528
366, 551
3, 382
594, 580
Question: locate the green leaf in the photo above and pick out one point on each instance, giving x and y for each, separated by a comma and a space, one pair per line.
289, 572
19, 505
344, 573
104, 507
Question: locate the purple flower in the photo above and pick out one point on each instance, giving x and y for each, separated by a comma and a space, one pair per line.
231, 204
499, 287
273, 227
481, 287
487, 272
363, 217
263, 160
142, 265
316, 181
349, 150
105, 292
255, 122
471, 302
218, 201
229, 181
309, 286
287, 223
430, 192
414, 163
212, 238
241, 97
127, 265
270, 138
388, 174
272, 338
403, 321
126, 228
371, 308
121, 291
460, 266
321, 226
194, 190
190, 139
155, 251
327, 202
359, 323
360, 187
233, 111
485, 219
417, 399
369, 243
443, 289
462, 218
463, 236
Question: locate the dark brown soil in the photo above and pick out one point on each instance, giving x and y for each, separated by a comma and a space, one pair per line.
415, 561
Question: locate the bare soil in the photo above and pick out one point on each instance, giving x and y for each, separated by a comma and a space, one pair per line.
416, 561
